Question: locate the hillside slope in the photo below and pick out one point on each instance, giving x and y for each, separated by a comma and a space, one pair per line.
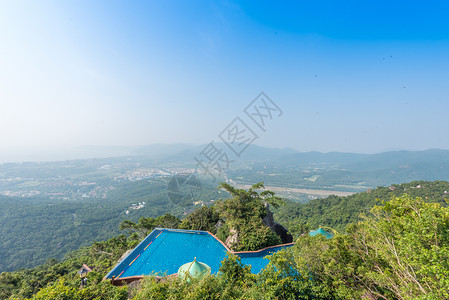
337, 212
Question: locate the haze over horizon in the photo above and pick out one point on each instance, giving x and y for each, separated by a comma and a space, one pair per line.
88, 152
349, 77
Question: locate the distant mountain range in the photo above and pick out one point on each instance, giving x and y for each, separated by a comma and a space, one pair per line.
317, 170
345, 171
287, 167
87, 198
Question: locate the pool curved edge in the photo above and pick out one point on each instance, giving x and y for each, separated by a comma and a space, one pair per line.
243, 252
135, 253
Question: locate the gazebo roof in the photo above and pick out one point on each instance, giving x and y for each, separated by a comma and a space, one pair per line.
321, 231
194, 269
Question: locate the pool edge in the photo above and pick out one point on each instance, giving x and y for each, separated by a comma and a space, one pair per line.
129, 279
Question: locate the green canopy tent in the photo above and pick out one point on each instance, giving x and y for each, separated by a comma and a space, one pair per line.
194, 269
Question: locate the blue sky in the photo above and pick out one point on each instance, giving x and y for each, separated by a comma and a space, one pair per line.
350, 76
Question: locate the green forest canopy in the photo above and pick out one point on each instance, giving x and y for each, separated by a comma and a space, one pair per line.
359, 263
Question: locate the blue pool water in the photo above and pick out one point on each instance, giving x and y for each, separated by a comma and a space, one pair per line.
163, 251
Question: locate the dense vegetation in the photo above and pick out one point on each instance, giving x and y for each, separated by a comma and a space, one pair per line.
59, 280
237, 221
241, 214
398, 250
337, 212
53, 208
34, 230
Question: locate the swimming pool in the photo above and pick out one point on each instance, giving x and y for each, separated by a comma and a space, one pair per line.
163, 251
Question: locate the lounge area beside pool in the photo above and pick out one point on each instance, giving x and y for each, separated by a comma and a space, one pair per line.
163, 251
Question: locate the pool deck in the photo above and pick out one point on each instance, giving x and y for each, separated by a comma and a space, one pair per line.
131, 267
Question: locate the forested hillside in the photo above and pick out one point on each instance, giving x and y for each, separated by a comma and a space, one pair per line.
48, 209
337, 212
242, 215
397, 250
34, 230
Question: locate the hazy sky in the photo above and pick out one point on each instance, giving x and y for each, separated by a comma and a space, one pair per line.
348, 75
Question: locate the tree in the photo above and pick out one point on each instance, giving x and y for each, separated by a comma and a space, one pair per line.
406, 245
399, 251
243, 214
145, 225
204, 218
